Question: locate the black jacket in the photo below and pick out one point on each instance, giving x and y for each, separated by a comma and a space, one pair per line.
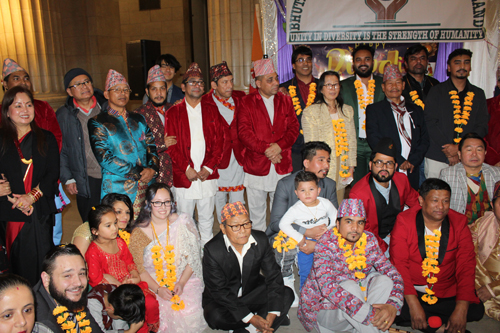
73, 160
411, 84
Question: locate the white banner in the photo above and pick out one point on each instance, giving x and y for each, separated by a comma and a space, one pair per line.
371, 21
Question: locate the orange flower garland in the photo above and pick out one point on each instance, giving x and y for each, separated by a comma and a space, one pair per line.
284, 243
171, 276
125, 235
461, 116
341, 146
416, 99
62, 313
292, 90
363, 102
355, 259
430, 265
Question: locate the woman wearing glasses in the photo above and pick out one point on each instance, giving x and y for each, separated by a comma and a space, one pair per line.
123, 144
331, 121
166, 250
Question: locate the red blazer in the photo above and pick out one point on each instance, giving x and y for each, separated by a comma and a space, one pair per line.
456, 255
361, 190
256, 132
177, 123
232, 142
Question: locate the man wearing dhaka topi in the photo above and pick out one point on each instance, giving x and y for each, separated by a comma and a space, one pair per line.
352, 286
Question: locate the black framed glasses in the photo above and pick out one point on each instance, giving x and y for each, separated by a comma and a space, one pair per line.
380, 163
81, 84
237, 227
158, 204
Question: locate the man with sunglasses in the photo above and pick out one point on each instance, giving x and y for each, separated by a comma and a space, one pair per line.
244, 289
199, 131
384, 192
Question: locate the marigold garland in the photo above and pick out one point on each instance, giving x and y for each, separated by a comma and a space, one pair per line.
341, 146
416, 99
225, 102
460, 115
284, 243
355, 259
292, 90
430, 265
363, 102
171, 276
62, 313
125, 235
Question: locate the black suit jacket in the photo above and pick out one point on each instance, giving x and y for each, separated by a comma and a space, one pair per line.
380, 123
223, 277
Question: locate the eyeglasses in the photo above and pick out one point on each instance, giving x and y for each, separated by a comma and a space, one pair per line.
302, 60
389, 164
237, 227
158, 204
332, 86
121, 91
196, 83
81, 84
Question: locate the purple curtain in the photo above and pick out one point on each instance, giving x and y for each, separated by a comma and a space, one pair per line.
284, 50
444, 51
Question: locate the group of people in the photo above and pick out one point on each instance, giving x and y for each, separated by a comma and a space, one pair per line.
377, 186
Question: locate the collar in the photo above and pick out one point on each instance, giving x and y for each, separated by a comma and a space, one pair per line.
300, 81
249, 243
358, 78
116, 113
94, 103
466, 89
270, 99
401, 101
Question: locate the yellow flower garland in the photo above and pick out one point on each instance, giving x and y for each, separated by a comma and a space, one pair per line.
461, 116
362, 101
430, 265
292, 90
416, 99
284, 243
62, 313
341, 146
171, 276
125, 235
355, 259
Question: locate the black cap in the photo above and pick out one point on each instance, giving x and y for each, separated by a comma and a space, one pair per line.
72, 73
386, 147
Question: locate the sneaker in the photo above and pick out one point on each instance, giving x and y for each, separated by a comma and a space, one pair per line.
289, 281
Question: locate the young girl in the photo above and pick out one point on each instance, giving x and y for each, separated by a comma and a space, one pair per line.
166, 247
82, 237
109, 260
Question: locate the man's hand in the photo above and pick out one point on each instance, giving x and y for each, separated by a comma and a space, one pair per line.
260, 324
407, 166
147, 175
484, 294
135, 327
203, 174
417, 314
270, 319
458, 319
384, 316
170, 140
71, 188
192, 175
453, 160
308, 248
273, 150
316, 232
450, 150
284, 91
276, 159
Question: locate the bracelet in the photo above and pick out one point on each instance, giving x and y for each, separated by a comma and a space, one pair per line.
157, 290
35, 194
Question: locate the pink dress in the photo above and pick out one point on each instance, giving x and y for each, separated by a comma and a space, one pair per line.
184, 236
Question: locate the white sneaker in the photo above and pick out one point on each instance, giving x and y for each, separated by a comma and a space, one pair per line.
289, 281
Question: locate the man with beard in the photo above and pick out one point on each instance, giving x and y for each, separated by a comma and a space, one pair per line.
359, 91
63, 284
169, 67
154, 112
199, 130
302, 89
384, 191
453, 108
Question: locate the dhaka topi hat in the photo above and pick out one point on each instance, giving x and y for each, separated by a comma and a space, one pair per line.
391, 72
386, 147
218, 71
351, 207
231, 210
263, 67
113, 79
193, 71
72, 73
155, 74
9, 67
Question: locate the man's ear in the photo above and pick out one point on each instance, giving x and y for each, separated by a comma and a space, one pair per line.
5, 85
319, 190
306, 163
106, 94
258, 83
213, 85
222, 228
183, 87
45, 280
459, 155
68, 90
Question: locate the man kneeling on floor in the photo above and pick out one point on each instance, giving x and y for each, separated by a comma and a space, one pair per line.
342, 293
237, 296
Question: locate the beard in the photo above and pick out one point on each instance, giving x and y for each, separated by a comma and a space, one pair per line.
382, 179
158, 104
64, 301
365, 74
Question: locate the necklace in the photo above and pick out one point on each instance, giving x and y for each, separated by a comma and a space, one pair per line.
341, 146
292, 90
171, 276
125, 235
62, 314
363, 101
460, 117
416, 99
315, 212
225, 102
430, 265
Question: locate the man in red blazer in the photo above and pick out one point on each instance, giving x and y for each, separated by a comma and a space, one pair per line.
199, 131
227, 101
439, 236
384, 191
267, 128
